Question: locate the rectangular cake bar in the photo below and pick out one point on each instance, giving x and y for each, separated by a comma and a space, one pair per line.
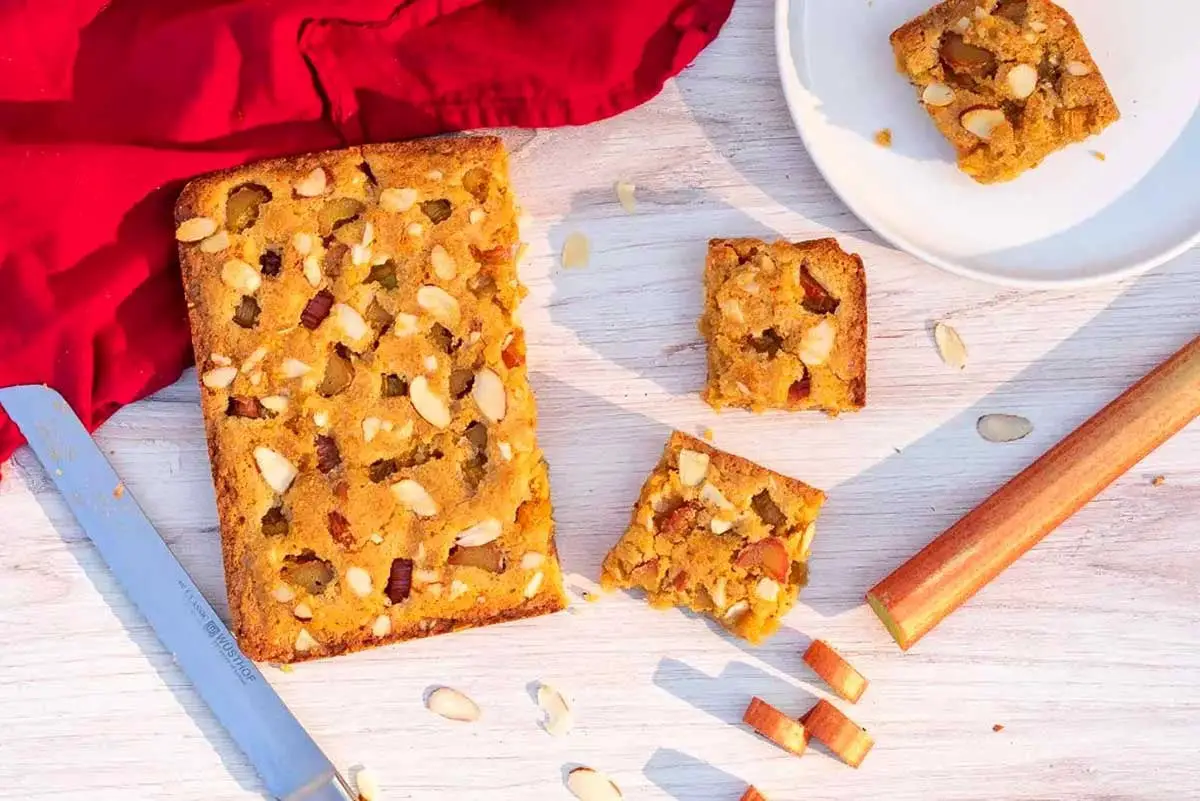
718, 534
369, 418
786, 325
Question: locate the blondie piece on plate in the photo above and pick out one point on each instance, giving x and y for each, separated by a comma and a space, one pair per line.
786, 325
364, 389
1008, 82
720, 535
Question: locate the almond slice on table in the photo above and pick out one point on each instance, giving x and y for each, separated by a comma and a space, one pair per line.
575, 251
625, 196
788, 734
1003, 427
839, 733
367, 785
587, 784
950, 346
453, 705
559, 717
835, 670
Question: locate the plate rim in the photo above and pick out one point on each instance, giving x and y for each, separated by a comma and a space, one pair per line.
789, 80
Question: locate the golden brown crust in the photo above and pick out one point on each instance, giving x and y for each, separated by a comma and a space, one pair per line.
1023, 59
786, 325
720, 535
383, 349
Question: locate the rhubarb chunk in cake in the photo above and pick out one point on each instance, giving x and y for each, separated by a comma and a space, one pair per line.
786, 325
720, 535
1008, 82
364, 388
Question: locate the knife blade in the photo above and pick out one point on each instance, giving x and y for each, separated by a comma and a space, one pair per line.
290, 763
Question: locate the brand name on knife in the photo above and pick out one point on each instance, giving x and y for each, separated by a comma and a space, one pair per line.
220, 638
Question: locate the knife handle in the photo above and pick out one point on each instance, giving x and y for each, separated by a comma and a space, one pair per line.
976, 549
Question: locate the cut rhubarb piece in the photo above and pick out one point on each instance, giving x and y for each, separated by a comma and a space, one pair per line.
839, 733
835, 670
785, 732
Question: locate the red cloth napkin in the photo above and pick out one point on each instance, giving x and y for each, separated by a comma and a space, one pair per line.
107, 107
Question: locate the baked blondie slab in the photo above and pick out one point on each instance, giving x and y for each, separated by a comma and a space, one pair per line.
786, 325
1007, 82
364, 389
720, 535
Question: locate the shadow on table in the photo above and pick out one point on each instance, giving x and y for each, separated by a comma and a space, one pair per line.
639, 300
867, 529
140, 633
726, 696
686, 778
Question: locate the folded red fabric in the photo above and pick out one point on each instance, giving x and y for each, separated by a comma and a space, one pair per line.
108, 106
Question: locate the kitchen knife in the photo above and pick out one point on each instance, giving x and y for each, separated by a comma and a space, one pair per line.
291, 765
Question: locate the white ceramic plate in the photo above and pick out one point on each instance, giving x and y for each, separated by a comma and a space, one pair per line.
1073, 221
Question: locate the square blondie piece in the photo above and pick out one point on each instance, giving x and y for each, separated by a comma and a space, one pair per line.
1007, 82
717, 534
786, 325
363, 382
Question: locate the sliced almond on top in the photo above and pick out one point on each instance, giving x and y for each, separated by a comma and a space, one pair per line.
587, 784
693, 467
559, 717
575, 250
370, 428
404, 325
1022, 81
950, 346
275, 468
293, 368
313, 184
442, 263
397, 200
479, 534
350, 321
817, 343
937, 94
359, 581
453, 705
239, 275
312, 269
215, 243
415, 498
276, 403
440, 303
490, 395
983, 122
304, 641
195, 228
219, 378
303, 243
1078, 68
429, 405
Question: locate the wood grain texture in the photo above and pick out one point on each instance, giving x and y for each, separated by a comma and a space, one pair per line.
1087, 650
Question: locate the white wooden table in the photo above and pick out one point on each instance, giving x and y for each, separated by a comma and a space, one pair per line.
1087, 651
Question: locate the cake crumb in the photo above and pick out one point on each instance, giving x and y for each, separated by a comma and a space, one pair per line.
883, 137
1159, 481
119, 490
1099, 156
707, 434
998, 727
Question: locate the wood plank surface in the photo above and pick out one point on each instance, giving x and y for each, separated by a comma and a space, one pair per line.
1087, 651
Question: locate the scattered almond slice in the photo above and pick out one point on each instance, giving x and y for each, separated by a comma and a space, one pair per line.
1078, 68
293, 368
559, 717
442, 263
195, 229
1003, 427
489, 394
429, 405
777, 727
625, 196
397, 200
983, 122
350, 321
839, 733
453, 705
215, 243
575, 251
950, 346
835, 670
1022, 81
415, 498
367, 785
587, 784
937, 94
359, 581
239, 275
440, 303
304, 641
